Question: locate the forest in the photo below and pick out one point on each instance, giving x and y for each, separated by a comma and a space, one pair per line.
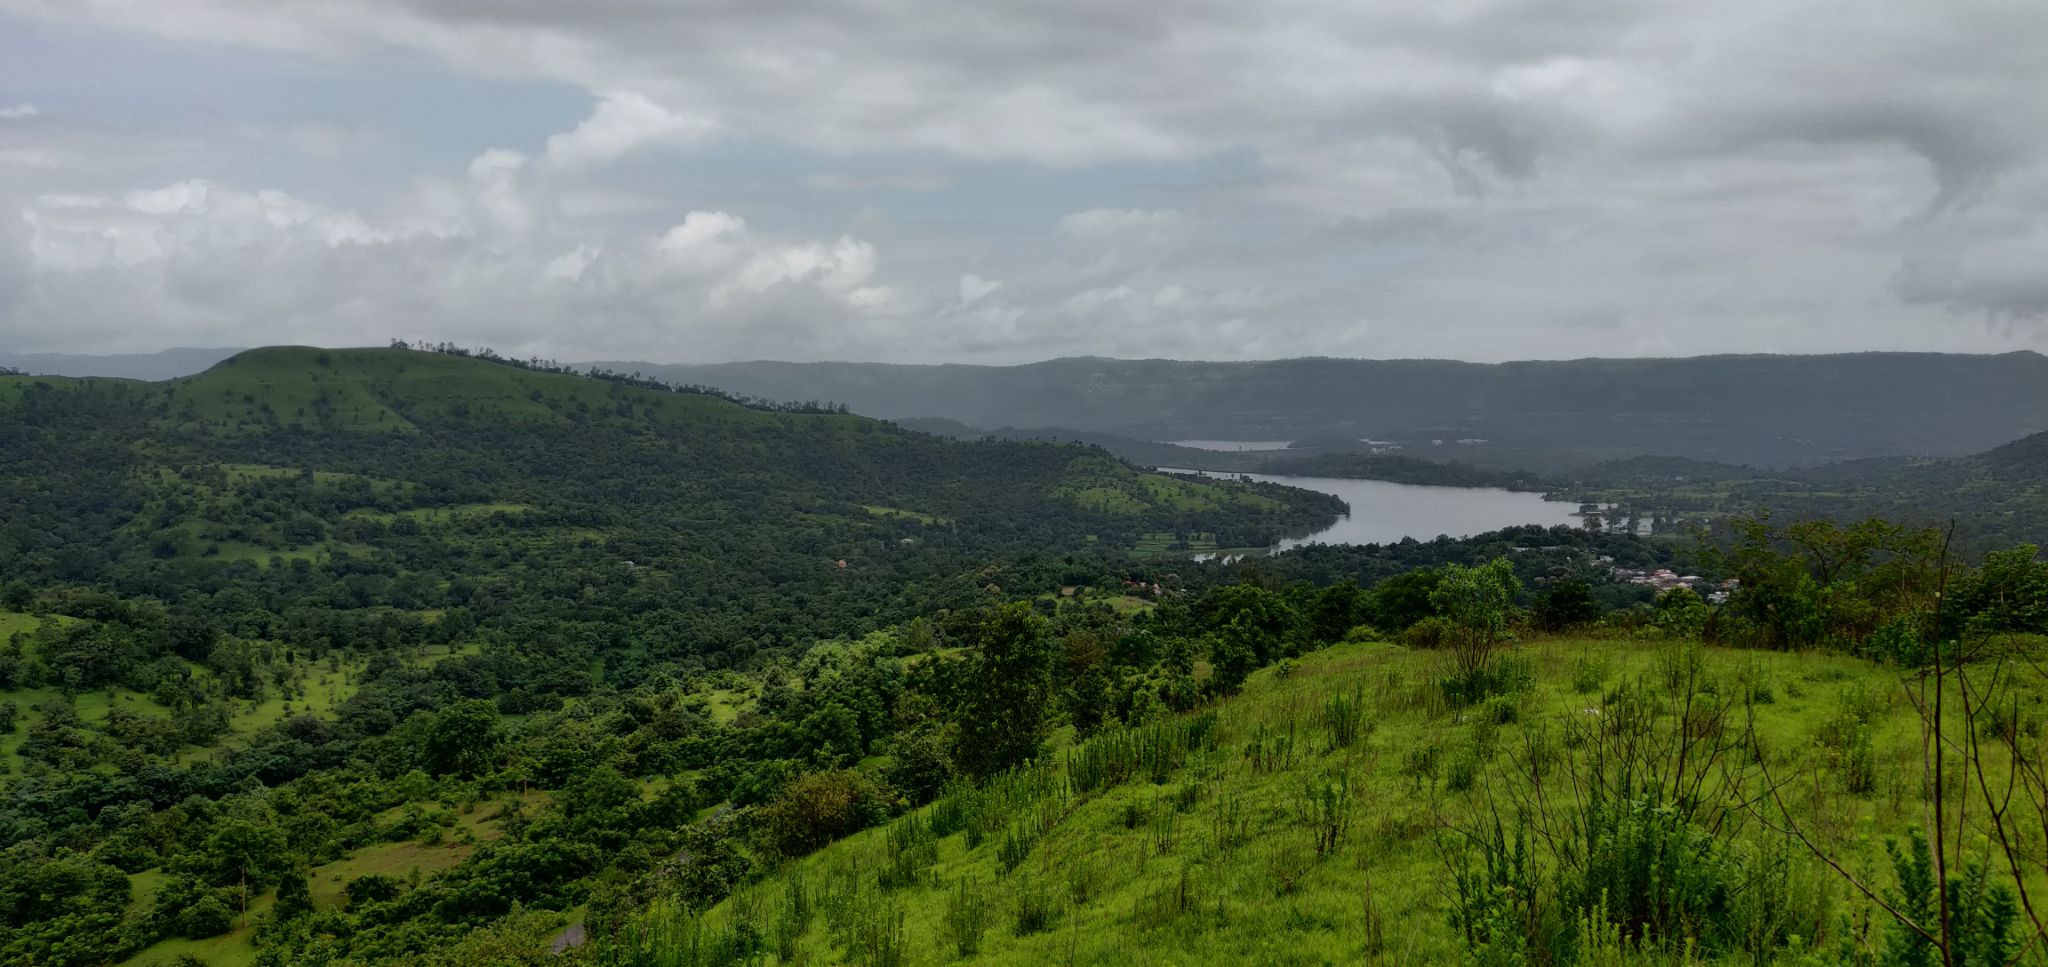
409, 656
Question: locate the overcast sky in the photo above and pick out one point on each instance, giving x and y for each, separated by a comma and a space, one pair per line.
918, 180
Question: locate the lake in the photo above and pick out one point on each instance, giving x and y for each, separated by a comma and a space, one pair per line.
1383, 513
1233, 446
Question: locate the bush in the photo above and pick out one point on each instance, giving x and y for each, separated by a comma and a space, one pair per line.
1501, 676
1660, 879
967, 917
1982, 915
1434, 631
920, 767
370, 888
1037, 907
1589, 672
817, 808
211, 916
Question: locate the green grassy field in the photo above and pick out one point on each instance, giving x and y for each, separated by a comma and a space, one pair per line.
1231, 857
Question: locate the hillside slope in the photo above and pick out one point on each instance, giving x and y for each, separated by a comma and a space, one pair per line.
1324, 816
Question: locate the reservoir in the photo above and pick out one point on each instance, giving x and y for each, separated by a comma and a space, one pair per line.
1383, 513
1234, 446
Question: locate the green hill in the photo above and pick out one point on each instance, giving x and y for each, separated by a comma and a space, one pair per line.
387, 390
1328, 813
1996, 498
395, 457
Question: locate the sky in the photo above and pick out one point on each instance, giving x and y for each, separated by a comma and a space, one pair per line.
1002, 181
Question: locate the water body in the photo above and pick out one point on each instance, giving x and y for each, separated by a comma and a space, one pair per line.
1383, 513
1233, 446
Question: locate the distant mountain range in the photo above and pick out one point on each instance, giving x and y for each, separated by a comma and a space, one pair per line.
1544, 417
169, 364
1768, 411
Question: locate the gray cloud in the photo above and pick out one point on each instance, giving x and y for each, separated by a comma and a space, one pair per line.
1486, 178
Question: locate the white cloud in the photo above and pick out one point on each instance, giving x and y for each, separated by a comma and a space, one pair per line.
974, 287
621, 122
19, 112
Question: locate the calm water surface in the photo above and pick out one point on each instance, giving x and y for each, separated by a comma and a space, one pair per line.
1383, 512
1233, 446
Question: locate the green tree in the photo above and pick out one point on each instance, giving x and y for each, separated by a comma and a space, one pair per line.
1681, 614
2008, 593
294, 896
1568, 603
461, 739
1477, 602
1006, 692
1404, 599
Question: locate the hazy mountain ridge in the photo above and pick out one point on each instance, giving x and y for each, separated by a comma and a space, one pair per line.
168, 364
1546, 416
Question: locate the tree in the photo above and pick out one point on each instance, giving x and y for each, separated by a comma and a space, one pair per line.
1681, 614
919, 766
2009, 593
1476, 601
1231, 661
1337, 609
371, 888
1568, 602
1404, 599
820, 807
294, 896
1006, 692
461, 739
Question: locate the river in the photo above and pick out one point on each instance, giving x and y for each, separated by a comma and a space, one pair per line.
1383, 513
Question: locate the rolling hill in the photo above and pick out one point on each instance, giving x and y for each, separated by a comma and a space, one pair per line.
428, 468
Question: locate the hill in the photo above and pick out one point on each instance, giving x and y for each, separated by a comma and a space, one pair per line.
349, 657
1770, 411
380, 454
1339, 811
1996, 498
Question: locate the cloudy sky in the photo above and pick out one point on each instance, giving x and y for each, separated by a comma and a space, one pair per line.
917, 180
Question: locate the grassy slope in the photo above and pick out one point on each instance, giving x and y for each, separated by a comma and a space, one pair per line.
1218, 865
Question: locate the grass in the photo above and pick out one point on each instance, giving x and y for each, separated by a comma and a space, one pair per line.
1220, 861
724, 704
396, 860
880, 511
235, 948
325, 690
